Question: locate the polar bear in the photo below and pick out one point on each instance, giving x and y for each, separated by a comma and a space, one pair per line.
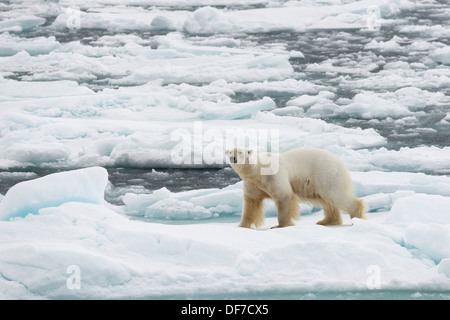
308, 174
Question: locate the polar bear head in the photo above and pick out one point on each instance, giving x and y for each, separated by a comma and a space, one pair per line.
240, 156
246, 161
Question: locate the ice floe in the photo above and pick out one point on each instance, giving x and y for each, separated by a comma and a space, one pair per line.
85, 185
116, 257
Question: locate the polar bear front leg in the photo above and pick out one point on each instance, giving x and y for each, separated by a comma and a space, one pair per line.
253, 207
252, 212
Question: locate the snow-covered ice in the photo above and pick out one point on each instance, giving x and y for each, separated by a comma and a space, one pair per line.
163, 87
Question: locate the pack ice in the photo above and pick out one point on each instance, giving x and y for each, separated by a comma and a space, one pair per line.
113, 84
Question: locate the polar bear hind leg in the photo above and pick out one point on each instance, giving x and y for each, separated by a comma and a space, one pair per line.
288, 210
332, 215
353, 206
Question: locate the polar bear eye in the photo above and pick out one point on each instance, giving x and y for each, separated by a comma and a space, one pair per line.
240, 153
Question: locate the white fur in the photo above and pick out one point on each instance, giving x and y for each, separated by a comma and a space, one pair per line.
308, 174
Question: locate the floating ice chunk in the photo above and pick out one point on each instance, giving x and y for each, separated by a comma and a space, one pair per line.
427, 221
432, 239
196, 204
207, 66
317, 133
423, 45
276, 88
275, 19
416, 99
391, 46
296, 54
23, 23
83, 185
421, 159
122, 18
375, 182
363, 68
172, 208
136, 204
446, 119
317, 105
17, 175
37, 154
10, 45
12, 90
444, 267
306, 101
208, 20
369, 105
441, 55
422, 208
230, 196
384, 201
397, 65
229, 110
161, 23
292, 111
438, 30
220, 42
399, 77
346, 20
